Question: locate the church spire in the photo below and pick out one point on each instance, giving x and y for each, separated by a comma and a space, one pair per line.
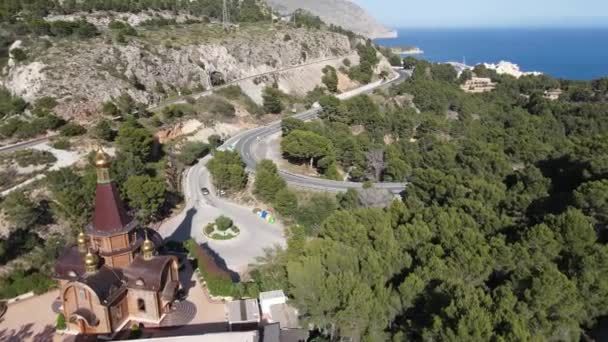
102, 163
110, 215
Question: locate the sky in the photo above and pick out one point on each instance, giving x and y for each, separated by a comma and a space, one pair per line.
488, 13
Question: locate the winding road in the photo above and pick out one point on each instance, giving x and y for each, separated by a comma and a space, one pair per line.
246, 142
257, 235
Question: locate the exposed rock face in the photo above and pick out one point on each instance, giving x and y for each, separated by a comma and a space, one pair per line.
82, 75
343, 13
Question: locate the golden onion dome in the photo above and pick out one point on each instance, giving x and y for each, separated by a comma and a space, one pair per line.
148, 246
102, 160
90, 260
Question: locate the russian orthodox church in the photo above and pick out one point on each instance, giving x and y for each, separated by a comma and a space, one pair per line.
113, 277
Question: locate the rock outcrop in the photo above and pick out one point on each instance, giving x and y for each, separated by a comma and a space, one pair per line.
84, 74
342, 13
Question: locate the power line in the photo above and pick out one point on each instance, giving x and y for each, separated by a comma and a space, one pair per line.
225, 15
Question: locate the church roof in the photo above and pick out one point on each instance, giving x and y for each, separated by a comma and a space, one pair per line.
110, 215
106, 282
147, 274
70, 264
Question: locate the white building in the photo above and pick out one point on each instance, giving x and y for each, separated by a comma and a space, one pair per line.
270, 298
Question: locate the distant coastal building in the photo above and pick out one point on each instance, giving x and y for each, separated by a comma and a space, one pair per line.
508, 68
553, 94
407, 50
113, 276
478, 85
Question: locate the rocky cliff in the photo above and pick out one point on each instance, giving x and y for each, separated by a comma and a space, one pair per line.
343, 13
157, 63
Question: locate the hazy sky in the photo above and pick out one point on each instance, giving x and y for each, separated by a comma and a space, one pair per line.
470, 13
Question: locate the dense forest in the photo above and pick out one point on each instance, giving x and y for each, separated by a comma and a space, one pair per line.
500, 235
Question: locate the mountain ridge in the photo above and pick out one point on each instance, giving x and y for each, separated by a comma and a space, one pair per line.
344, 13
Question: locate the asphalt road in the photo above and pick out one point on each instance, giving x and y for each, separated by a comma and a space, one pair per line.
25, 144
246, 142
255, 236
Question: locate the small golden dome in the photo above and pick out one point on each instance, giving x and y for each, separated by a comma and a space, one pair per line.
102, 160
90, 260
148, 246
82, 239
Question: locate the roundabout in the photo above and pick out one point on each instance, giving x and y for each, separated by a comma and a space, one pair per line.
222, 228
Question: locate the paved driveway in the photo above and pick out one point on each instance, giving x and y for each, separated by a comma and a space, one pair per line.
32, 319
256, 234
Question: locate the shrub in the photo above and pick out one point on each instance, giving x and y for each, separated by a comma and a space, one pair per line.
116, 25
232, 92
72, 130
174, 112
330, 79
84, 29
185, 90
123, 28
286, 38
346, 62
26, 158
103, 130
191, 152
9, 128
135, 332
273, 100
61, 322
62, 144
10, 104
81, 29
218, 281
223, 223
209, 229
46, 102
20, 282
109, 108
18, 54
155, 121
23, 129
395, 60
219, 106
215, 141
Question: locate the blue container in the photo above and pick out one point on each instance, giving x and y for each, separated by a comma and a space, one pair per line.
264, 214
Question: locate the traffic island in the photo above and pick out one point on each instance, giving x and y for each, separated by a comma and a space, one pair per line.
221, 229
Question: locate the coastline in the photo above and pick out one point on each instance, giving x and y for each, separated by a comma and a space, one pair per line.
574, 54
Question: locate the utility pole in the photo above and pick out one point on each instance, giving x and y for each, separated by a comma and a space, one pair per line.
225, 16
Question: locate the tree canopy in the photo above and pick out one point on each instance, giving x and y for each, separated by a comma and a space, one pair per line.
499, 236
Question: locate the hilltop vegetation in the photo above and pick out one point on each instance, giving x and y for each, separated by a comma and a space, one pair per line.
501, 234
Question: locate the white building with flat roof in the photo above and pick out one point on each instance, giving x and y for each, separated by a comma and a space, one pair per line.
270, 298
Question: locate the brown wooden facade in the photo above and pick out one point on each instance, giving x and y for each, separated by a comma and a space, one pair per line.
113, 276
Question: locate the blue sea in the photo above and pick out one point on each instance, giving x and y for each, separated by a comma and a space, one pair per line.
578, 54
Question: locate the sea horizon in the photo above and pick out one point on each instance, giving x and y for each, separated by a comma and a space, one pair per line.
577, 53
